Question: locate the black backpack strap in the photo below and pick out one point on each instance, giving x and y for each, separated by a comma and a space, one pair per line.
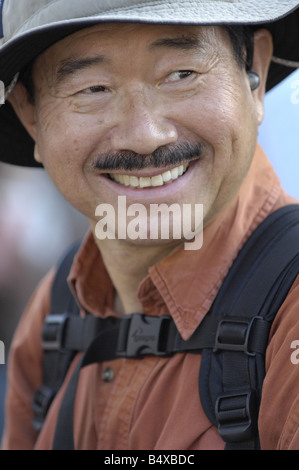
231, 374
56, 361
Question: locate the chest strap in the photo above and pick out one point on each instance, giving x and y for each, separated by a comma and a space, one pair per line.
137, 336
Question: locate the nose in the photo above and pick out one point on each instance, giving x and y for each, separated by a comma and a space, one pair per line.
142, 126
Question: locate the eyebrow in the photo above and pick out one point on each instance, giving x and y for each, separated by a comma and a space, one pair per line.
185, 43
70, 66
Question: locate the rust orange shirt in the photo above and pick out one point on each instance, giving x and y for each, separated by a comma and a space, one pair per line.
153, 403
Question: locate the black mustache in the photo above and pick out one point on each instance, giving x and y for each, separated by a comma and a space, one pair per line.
175, 154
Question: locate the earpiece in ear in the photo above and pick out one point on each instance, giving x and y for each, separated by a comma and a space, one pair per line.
254, 80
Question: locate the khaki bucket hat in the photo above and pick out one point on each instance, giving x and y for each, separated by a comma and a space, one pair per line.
27, 27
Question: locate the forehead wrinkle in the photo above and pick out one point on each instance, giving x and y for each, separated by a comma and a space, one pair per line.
190, 42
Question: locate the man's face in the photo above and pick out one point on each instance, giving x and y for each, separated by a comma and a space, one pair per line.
166, 108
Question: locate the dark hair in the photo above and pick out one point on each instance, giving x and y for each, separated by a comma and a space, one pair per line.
26, 78
242, 43
241, 37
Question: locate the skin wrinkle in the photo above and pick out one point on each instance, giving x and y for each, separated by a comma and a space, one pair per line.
185, 42
240, 39
72, 66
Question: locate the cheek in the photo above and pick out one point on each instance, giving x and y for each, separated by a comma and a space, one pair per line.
226, 113
225, 118
64, 145
62, 138
226, 122
235, 147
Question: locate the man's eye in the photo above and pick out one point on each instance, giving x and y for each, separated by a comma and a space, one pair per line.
94, 89
179, 75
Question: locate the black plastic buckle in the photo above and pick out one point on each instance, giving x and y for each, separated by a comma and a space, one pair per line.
42, 400
235, 414
142, 335
233, 334
53, 331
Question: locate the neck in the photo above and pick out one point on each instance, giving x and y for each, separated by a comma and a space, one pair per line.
128, 265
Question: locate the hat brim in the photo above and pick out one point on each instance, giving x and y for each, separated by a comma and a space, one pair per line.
17, 146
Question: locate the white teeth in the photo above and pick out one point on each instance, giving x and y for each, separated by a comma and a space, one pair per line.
174, 173
153, 181
157, 180
126, 180
145, 182
134, 181
181, 170
167, 176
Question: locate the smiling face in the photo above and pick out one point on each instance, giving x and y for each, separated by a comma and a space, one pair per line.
159, 114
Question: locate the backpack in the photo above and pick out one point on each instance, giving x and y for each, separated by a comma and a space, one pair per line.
232, 338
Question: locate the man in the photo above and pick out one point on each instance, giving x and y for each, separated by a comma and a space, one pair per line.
153, 103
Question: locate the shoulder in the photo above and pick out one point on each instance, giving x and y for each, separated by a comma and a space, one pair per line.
24, 369
37, 308
279, 414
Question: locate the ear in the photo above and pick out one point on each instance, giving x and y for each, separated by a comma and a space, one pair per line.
23, 108
263, 50
25, 111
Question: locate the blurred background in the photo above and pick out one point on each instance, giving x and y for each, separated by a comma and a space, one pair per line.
36, 224
279, 132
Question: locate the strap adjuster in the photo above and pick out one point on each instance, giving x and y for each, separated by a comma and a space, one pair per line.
142, 335
233, 334
234, 414
53, 331
42, 400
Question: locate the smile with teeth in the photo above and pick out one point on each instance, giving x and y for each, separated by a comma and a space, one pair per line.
150, 181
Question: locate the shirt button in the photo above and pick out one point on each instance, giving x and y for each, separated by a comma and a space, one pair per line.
108, 374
